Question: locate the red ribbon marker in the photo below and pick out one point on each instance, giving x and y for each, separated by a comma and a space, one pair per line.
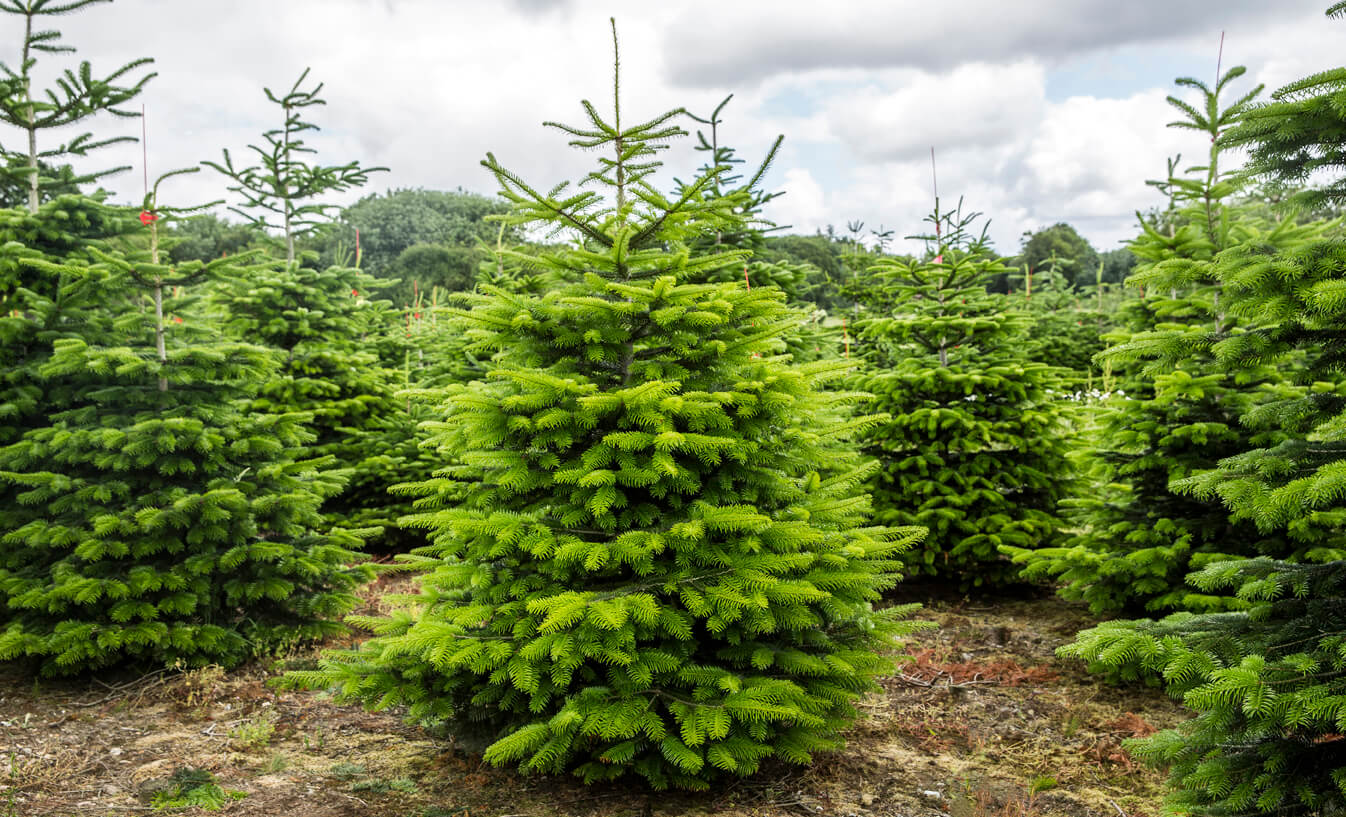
146, 217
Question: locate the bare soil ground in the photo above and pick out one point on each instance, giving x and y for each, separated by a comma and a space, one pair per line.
984, 721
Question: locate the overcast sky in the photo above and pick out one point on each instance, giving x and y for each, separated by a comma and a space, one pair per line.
1039, 110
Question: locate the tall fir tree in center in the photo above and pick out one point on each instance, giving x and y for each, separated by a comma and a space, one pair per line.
654, 556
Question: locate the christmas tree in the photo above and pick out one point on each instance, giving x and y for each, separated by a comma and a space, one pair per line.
974, 450
653, 559
325, 324
1176, 411
146, 519
1267, 683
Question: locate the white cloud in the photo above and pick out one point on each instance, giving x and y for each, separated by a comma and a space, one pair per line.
974, 105
805, 201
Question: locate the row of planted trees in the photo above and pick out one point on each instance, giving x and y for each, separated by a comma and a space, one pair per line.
654, 509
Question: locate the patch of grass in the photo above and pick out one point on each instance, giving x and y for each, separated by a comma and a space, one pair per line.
193, 788
278, 762
1042, 783
253, 734
346, 771
402, 784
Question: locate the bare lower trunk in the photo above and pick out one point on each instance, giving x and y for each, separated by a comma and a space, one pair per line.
159, 344
33, 199
289, 235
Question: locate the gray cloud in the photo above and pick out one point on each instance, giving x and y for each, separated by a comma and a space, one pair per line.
735, 44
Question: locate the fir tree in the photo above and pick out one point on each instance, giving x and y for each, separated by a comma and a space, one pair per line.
653, 559
145, 519
36, 310
283, 191
1176, 411
974, 450
1267, 683
78, 95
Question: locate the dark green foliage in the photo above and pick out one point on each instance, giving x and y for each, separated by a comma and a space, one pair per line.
77, 96
1117, 265
35, 311
206, 237
283, 191
423, 268
653, 559
391, 223
322, 325
143, 517
974, 450
816, 250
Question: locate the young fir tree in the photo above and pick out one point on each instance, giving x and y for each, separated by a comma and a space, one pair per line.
656, 562
143, 517
324, 323
78, 95
1173, 415
974, 450
283, 190
1268, 683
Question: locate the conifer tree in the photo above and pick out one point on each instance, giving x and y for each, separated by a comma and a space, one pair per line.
653, 560
1177, 411
284, 191
36, 310
974, 450
78, 95
145, 519
1267, 683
